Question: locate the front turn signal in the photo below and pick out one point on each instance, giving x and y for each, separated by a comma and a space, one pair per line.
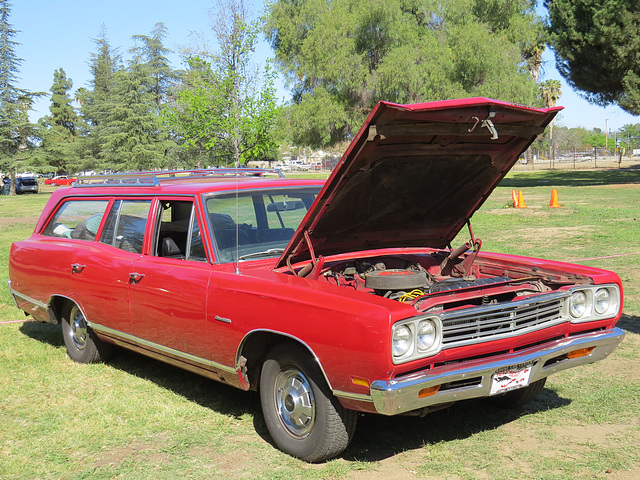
583, 352
427, 392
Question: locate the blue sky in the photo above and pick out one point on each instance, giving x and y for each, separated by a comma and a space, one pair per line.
58, 34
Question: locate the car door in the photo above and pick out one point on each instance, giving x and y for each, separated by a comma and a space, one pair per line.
62, 240
103, 271
168, 297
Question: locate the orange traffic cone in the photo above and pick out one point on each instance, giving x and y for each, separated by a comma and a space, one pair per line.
520, 203
515, 198
554, 199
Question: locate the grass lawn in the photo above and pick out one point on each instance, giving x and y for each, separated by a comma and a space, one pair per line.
136, 418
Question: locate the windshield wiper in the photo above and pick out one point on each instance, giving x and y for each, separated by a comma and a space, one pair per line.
271, 251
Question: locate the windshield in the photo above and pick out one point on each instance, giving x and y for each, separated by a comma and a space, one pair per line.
257, 223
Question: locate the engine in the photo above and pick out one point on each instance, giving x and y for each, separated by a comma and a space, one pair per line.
399, 280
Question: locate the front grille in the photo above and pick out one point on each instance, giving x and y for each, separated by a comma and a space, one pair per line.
491, 322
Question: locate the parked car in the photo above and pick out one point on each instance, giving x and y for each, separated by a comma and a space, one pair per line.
26, 184
332, 298
60, 180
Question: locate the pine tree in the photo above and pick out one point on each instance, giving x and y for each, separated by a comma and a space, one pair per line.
596, 43
151, 53
133, 133
60, 129
98, 101
9, 62
17, 134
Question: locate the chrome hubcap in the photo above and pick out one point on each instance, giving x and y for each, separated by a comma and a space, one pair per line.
295, 403
78, 331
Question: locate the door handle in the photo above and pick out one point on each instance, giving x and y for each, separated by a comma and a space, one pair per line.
135, 277
77, 268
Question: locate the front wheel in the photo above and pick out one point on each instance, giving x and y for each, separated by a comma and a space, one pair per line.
82, 344
303, 417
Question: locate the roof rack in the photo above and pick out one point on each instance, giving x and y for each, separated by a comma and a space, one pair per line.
152, 179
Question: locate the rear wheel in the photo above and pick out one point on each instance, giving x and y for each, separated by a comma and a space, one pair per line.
82, 344
303, 417
519, 397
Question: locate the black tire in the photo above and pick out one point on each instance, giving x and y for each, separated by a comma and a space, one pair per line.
303, 417
82, 344
518, 398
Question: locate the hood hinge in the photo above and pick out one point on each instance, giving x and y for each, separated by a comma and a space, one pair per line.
313, 268
486, 123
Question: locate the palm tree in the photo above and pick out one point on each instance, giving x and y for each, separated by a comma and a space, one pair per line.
532, 55
550, 91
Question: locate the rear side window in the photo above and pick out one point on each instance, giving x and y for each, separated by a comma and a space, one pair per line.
77, 219
125, 225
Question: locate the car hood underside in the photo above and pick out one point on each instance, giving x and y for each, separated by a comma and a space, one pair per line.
415, 174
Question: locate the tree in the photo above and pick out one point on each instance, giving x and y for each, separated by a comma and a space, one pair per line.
152, 53
596, 44
132, 132
133, 136
122, 111
17, 134
223, 106
628, 136
97, 102
60, 129
550, 92
341, 57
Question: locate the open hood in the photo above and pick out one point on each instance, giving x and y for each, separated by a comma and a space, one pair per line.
414, 175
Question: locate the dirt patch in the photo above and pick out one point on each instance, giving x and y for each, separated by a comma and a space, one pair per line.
398, 467
533, 211
4, 221
621, 186
540, 235
587, 434
147, 451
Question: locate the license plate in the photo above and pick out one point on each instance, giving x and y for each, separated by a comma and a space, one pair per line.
510, 378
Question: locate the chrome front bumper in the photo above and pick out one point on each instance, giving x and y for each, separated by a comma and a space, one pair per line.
473, 379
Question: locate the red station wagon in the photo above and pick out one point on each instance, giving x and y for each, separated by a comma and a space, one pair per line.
329, 298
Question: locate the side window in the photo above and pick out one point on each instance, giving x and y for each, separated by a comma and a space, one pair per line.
196, 247
126, 224
256, 223
178, 232
223, 211
79, 219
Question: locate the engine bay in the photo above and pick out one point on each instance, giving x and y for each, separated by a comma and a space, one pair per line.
418, 280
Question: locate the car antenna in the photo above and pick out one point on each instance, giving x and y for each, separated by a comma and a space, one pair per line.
237, 272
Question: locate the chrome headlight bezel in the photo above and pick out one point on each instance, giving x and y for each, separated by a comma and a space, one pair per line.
425, 338
593, 302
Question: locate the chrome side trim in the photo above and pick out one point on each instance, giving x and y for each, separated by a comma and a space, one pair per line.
15, 293
161, 348
392, 397
353, 396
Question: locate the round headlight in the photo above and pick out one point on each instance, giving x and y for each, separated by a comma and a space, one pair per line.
401, 341
426, 335
602, 300
578, 304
